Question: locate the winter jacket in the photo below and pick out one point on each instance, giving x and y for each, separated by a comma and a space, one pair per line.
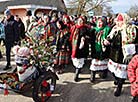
21, 28
133, 75
11, 30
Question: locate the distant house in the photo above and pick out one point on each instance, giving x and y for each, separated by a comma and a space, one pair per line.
19, 7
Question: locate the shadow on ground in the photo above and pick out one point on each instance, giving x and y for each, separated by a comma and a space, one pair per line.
84, 92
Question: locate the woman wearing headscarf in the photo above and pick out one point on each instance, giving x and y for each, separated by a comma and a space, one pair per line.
122, 34
99, 52
80, 47
67, 21
62, 45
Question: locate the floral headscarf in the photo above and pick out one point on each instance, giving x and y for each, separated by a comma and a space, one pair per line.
128, 33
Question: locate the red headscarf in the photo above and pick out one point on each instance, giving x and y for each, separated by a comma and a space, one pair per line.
120, 18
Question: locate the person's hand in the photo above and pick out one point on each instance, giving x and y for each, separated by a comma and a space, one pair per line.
15, 42
68, 48
63, 46
106, 42
82, 39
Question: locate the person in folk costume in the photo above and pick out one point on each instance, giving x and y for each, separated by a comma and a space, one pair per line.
99, 52
69, 24
32, 26
80, 47
36, 28
62, 47
50, 28
133, 77
92, 24
121, 35
67, 21
28, 19
46, 23
54, 28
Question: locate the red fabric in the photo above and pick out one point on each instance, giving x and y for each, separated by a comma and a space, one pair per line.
72, 32
6, 92
133, 75
48, 93
82, 18
120, 18
73, 52
66, 16
44, 83
69, 25
74, 36
42, 97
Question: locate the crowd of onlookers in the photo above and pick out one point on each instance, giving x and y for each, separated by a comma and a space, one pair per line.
111, 42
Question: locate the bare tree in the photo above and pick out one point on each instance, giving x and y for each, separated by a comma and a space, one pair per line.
108, 11
87, 5
133, 11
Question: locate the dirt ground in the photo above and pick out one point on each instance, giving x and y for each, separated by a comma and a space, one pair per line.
69, 91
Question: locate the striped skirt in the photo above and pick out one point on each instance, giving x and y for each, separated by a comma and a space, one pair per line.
62, 57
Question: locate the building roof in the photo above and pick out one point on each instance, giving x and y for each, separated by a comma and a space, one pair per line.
50, 3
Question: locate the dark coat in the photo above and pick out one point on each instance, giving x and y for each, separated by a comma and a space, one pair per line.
64, 40
98, 49
116, 53
21, 28
11, 31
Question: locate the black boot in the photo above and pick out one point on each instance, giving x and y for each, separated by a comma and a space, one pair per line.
1, 55
77, 71
135, 99
119, 88
118, 91
104, 74
8, 67
115, 82
92, 78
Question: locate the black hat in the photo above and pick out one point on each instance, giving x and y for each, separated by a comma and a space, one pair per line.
29, 13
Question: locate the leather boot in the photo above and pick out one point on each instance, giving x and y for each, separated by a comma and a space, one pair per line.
135, 99
104, 74
118, 89
92, 78
77, 71
1, 55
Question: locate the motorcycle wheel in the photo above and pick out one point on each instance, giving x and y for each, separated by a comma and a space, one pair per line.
44, 87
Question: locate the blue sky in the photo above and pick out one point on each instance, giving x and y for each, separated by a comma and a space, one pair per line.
120, 5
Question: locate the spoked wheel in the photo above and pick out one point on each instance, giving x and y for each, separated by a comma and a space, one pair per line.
44, 87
